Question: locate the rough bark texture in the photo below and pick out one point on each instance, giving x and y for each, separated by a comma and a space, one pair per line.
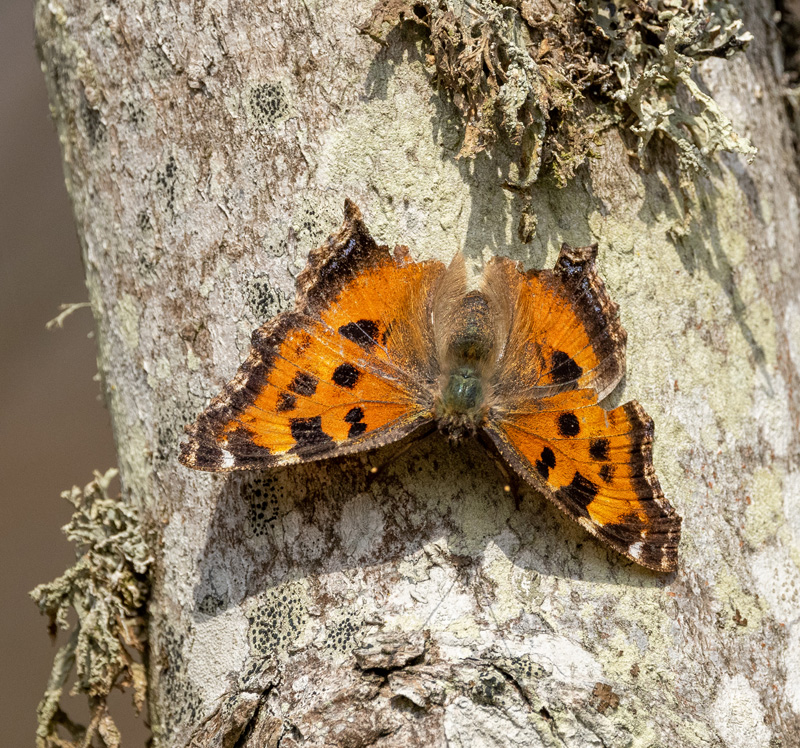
208, 147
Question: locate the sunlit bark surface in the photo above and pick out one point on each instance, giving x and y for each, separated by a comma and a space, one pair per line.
208, 147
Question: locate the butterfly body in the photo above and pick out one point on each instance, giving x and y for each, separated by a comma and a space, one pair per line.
462, 403
379, 346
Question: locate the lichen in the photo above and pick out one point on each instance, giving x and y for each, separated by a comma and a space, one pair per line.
277, 620
107, 589
651, 91
267, 104
550, 84
129, 311
181, 699
264, 299
265, 495
342, 629
764, 511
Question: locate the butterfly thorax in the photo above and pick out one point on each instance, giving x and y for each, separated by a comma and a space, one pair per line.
461, 405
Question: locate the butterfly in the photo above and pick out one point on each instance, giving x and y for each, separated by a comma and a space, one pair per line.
379, 346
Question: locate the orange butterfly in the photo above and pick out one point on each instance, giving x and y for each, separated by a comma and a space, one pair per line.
379, 346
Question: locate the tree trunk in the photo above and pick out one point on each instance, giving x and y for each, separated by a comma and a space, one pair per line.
208, 148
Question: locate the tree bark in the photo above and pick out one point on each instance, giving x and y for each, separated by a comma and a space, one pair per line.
208, 147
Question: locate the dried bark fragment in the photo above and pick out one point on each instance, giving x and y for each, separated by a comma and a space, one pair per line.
604, 698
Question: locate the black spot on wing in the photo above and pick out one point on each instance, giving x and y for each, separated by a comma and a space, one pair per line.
356, 429
346, 375
303, 384
286, 401
308, 434
578, 494
564, 368
363, 333
599, 449
546, 462
607, 473
568, 425
355, 417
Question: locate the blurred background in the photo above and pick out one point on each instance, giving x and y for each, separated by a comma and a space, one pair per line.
54, 429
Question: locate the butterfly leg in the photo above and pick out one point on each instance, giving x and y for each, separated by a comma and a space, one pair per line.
511, 482
376, 470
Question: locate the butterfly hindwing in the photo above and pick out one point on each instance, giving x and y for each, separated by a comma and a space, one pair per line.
351, 369
597, 466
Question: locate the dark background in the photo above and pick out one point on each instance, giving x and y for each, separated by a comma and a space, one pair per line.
54, 428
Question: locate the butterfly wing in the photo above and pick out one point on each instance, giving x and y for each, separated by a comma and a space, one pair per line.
565, 351
351, 368
597, 467
561, 326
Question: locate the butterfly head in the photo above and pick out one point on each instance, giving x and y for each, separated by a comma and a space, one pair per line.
460, 406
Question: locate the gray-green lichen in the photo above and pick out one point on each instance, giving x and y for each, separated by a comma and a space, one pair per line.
267, 104
107, 589
551, 83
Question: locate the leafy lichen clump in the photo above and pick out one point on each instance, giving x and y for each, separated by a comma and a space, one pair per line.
107, 589
550, 81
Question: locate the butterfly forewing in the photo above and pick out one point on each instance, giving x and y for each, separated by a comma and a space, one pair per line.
563, 331
352, 369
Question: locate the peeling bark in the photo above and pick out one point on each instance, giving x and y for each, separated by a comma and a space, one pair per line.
208, 147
